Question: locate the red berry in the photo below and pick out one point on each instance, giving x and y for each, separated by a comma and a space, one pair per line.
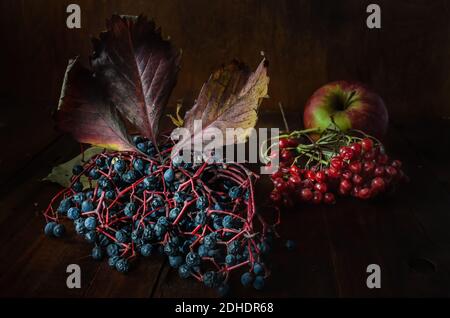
396, 164
276, 175
355, 167
283, 143
321, 176
357, 179
329, 198
346, 185
310, 175
321, 187
295, 170
295, 179
383, 159
336, 163
378, 184
286, 155
355, 190
275, 196
392, 171
364, 193
306, 194
333, 173
368, 167
307, 183
292, 142
356, 147
285, 170
347, 175
346, 153
370, 155
379, 171
367, 144
317, 197
342, 191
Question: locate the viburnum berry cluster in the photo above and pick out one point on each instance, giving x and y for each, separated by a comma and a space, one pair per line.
336, 164
202, 216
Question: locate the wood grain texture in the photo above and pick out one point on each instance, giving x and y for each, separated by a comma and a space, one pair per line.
406, 234
308, 43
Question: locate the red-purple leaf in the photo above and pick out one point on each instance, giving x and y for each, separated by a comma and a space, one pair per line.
83, 112
137, 68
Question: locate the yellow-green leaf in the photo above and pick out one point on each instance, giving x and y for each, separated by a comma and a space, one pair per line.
61, 174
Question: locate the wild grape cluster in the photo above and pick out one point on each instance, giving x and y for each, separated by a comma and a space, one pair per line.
335, 165
202, 216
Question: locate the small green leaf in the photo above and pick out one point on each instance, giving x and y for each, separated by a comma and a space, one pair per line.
61, 174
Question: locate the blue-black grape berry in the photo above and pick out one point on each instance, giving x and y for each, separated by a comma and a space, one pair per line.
138, 165
90, 236
77, 186
97, 253
200, 218
169, 175
121, 236
175, 261
48, 229
258, 269
211, 279
113, 260
184, 271
146, 250
78, 198
246, 279
73, 213
59, 230
94, 174
90, 223
233, 247
110, 194
120, 166
227, 222
234, 192
122, 265
193, 259
77, 170
202, 203
290, 245
87, 206
112, 250
64, 205
230, 259
142, 146
130, 209
258, 282
174, 213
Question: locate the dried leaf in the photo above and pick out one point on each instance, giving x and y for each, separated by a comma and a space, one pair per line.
229, 99
61, 174
83, 112
138, 69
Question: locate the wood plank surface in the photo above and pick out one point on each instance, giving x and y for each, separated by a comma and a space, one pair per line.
405, 234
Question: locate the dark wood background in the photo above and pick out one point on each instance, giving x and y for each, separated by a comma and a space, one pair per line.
308, 43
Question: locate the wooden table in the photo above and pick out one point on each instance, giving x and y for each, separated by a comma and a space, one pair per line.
408, 235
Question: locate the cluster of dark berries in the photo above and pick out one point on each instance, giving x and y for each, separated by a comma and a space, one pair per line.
336, 164
202, 216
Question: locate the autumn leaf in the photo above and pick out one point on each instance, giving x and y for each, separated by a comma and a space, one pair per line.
61, 174
138, 70
83, 112
229, 99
